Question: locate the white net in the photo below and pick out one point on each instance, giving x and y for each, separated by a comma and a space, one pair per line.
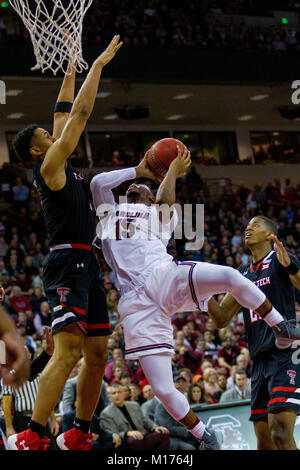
55, 28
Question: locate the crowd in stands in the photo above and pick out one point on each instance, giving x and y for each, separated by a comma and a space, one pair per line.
209, 365
152, 23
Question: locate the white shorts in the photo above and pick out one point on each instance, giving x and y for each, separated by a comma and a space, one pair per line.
145, 315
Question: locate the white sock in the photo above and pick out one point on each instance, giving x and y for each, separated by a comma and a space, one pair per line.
273, 317
198, 430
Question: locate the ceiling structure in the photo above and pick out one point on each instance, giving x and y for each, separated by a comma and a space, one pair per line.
187, 104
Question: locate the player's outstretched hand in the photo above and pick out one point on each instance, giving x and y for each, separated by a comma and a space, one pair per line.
110, 51
281, 252
143, 170
181, 163
16, 369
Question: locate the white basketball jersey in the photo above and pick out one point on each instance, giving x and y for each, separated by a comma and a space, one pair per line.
133, 241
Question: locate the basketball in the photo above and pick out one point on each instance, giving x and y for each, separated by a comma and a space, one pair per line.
161, 155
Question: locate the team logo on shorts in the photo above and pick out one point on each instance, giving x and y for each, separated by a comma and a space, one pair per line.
63, 292
292, 374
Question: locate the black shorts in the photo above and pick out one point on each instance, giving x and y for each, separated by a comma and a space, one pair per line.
275, 382
74, 291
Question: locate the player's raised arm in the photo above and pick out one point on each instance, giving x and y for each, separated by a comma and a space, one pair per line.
223, 313
62, 148
64, 104
166, 193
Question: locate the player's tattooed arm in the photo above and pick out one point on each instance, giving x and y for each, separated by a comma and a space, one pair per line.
285, 260
223, 313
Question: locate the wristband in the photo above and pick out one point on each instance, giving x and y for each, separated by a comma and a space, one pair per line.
63, 107
292, 268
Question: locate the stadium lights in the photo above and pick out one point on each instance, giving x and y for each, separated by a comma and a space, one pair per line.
110, 117
183, 96
175, 117
247, 117
259, 97
103, 94
13, 92
15, 116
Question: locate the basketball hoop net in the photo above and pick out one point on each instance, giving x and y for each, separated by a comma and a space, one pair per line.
55, 32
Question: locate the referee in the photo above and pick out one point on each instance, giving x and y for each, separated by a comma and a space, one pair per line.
18, 403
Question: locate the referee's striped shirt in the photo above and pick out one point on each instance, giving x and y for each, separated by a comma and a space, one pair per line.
24, 396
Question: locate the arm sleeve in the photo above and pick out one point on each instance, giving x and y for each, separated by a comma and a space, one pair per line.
102, 185
38, 365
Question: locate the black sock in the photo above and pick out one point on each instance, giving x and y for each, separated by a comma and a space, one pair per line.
38, 428
83, 426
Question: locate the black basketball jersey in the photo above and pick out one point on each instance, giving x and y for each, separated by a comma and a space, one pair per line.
273, 279
68, 212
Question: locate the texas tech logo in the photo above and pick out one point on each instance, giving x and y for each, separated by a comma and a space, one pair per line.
292, 374
63, 292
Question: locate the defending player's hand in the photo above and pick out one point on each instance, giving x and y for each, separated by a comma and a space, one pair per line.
181, 163
16, 369
143, 170
110, 51
281, 252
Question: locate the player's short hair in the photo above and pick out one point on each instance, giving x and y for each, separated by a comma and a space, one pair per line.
272, 226
22, 142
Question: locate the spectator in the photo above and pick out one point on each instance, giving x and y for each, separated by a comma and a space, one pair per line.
43, 317
211, 383
23, 321
240, 391
20, 192
195, 394
125, 378
38, 279
135, 393
36, 299
242, 362
117, 370
112, 299
199, 320
18, 301
179, 320
117, 355
229, 352
211, 347
127, 420
150, 402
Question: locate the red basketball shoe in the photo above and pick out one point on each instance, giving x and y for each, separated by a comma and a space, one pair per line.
27, 440
74, 439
